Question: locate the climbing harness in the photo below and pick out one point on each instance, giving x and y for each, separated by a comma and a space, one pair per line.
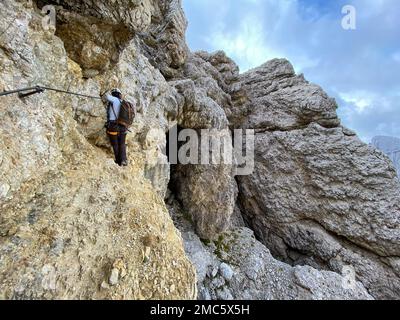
26, 92
112, 133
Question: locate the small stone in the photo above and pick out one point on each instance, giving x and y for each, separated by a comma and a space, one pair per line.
4, 188
212, 272
57, 247
49, 277
146, 254
114, 277
105, 285
119, 264
226, 271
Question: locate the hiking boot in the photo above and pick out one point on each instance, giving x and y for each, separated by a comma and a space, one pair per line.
124, 163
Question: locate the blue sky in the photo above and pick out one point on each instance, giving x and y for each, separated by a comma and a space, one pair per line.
360, 68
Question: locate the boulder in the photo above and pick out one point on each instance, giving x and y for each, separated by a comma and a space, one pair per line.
318, 195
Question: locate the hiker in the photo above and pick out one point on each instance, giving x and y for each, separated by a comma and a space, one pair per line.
120, 115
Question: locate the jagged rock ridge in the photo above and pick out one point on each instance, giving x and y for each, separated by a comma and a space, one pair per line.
318, 196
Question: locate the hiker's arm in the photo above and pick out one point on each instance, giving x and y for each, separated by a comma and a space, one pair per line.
115, 102
111, 98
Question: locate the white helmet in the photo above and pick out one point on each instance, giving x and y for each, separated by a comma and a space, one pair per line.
116, 90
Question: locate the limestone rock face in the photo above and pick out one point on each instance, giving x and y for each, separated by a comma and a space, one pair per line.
209, 84
318, 195
92, 43
236, 266
135, 14
278, 99
73, 225
208, 192
164, 43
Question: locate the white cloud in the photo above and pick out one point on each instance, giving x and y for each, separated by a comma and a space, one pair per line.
246, 45
360, 68
367, 102
361, 100
256, 38
396, 56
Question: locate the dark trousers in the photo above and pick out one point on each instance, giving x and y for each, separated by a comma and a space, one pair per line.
117, 136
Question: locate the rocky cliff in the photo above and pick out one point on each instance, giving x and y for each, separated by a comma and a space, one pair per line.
319, 218
73, 225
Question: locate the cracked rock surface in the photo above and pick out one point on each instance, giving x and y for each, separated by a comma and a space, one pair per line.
237, 266
319, 218
318, 195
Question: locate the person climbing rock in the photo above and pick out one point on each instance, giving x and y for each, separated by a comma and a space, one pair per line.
120, 115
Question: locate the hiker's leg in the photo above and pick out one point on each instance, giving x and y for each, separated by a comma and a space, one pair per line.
122, 147
115, 146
